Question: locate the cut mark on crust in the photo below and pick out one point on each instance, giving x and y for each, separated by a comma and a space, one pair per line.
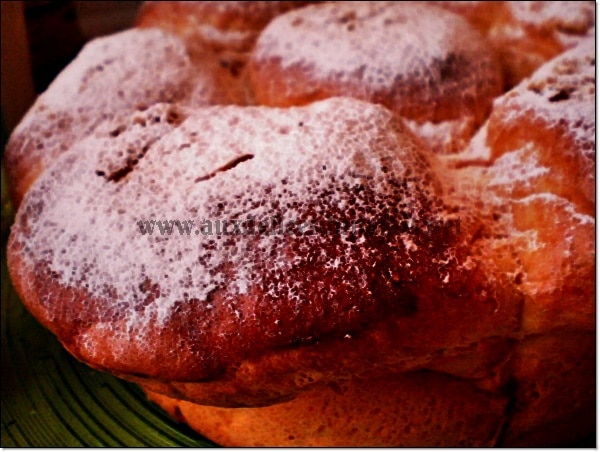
225, 167
130, 164
116, 176
172, 116
561, 95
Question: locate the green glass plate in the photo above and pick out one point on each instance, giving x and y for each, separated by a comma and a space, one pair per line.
51, 399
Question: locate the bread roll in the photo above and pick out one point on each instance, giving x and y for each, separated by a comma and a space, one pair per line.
426, 64
533, 164
538, 155
253, 297
112, 77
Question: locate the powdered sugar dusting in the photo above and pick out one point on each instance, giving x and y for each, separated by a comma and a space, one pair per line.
305, 168
446, 137
111, 78
571, 16
552, 115
231, 25
519, 166
563, 89
106, 76
419, 60
553, 200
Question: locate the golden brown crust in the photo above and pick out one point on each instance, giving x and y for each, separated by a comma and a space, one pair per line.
549, 401
549, 120
230, 26
22, 169
413, 410
538, 181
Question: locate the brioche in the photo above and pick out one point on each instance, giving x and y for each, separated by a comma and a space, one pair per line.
444, 85
261, 294
535, 161
360, 237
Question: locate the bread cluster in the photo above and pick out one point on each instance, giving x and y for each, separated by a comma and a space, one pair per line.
410, 194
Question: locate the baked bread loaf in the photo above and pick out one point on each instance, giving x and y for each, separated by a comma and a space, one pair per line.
536, 160
326, 271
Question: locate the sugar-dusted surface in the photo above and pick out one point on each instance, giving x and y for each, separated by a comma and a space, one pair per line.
530, 33
527, 34
564, 89
518, 166
188, 307
550, 118
565, 16
491, 293
421, 61
111, 77
446, 137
